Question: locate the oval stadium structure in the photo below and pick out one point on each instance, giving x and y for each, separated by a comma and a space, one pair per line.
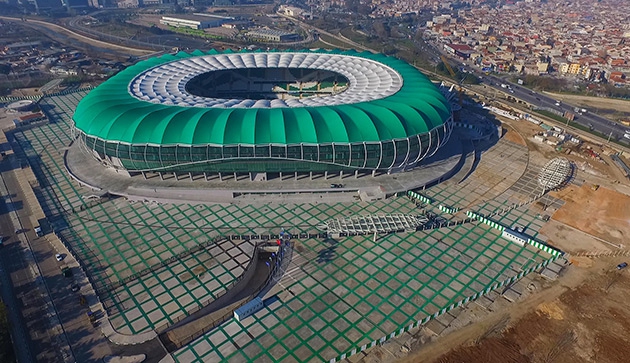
265, 112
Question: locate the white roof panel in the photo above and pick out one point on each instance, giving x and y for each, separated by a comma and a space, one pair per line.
368, 80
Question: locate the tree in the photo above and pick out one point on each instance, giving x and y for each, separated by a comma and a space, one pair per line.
6, 347
381, 29
5, 68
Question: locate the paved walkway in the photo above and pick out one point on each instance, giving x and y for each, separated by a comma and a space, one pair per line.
89, 172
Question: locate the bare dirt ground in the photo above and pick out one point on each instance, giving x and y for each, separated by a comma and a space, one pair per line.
572, 240
149, 20
589, 169
603, 213
512, 135
81, 38
22, 92
581, 318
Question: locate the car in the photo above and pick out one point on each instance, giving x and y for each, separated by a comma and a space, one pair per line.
66, 271
59, 257
90, 314
622, 265
557, 103
336, 185
75, 287
537, 98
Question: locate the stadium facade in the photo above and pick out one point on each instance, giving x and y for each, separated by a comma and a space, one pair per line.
265, 112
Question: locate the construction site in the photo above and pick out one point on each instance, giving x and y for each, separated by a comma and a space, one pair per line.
519, 236
578, 316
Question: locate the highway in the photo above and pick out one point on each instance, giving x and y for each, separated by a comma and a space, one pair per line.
68, 37
587, 119
31, 332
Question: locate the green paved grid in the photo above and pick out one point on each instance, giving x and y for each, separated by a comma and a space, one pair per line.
116, 239
209, 220
491, 177
114, 242
356, 291
180, 287
371, 289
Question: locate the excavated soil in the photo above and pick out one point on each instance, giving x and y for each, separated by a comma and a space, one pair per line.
589, 323
603, 213
512, 135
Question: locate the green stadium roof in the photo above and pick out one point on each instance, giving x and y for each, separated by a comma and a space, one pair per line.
114, 111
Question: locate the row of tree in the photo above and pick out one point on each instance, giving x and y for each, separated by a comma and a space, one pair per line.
542, 83
552, 84
6, 346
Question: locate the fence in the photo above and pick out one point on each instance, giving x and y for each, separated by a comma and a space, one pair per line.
419, 323
162, 264
485, 220
482, 132
541, 246
37, 98
419, 197
602, 253
549, 109
15, 98
62, 93
448, 210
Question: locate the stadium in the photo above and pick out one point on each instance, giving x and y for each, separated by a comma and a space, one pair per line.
307, 111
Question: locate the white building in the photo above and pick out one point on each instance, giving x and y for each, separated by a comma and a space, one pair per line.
270, 35
195, 21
